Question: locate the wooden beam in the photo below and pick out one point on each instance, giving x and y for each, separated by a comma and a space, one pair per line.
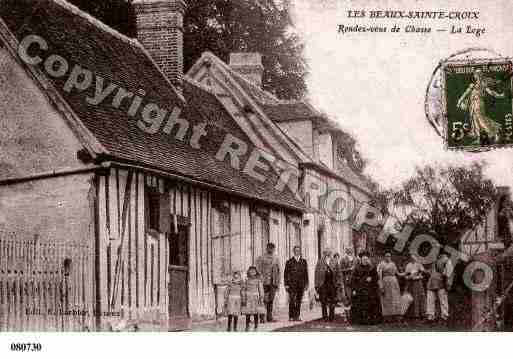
202, 184
97, 259
50, 174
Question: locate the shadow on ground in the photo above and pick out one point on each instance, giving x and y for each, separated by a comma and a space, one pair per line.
341, 325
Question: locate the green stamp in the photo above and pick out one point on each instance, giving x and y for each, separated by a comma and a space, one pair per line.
477, 100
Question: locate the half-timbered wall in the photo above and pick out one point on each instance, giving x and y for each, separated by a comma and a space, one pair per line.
320, 230
316, 223
226, 233
132, 259
335, 235
486, 235
256, 128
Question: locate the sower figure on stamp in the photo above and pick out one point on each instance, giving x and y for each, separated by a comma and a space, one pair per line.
325, 285
473, 102
296, 283
269, 268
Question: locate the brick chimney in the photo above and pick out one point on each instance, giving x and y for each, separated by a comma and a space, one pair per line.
249, 65
160, 31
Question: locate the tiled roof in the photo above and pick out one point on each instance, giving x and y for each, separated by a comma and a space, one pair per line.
280, 111
252, 90
83, 41
289, 111
276, 109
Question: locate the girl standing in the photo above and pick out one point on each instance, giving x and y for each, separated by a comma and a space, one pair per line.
253, 297
233, 301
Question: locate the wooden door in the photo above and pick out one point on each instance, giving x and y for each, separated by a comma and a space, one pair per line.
178, 272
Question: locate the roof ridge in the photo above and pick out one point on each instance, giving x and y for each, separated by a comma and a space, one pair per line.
207, 55
277, 101
228, 68
94, 21
255, 87
308, 104
199, 85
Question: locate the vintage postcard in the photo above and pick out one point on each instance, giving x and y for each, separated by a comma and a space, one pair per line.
256, 165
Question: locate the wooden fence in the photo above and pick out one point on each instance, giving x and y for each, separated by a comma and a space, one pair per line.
44, 286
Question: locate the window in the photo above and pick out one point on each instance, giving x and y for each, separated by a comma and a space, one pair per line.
221, 238
308, 203
360, 242
293, 236
260, 233
153, 209
334, 236
157, 206
178, 243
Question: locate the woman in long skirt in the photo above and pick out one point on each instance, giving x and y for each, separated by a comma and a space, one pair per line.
365, 307
414, 286
389, 287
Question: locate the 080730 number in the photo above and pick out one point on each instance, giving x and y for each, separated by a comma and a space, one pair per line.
26, 347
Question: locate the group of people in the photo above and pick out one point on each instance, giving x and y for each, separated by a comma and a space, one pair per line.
244, 298
374, 294
332, 282
254, 297
369, 294
417, 301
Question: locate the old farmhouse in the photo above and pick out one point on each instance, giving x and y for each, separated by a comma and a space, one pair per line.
128, 191
308, 140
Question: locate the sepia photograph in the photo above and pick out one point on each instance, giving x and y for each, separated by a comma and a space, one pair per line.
191, 166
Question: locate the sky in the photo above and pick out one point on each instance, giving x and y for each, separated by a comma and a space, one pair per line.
374, 85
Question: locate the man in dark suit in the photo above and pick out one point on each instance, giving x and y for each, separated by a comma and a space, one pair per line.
325, 285
296, 282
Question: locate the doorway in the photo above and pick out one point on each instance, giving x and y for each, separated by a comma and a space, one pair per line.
178, 286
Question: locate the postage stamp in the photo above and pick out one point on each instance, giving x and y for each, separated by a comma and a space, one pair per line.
477, 103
